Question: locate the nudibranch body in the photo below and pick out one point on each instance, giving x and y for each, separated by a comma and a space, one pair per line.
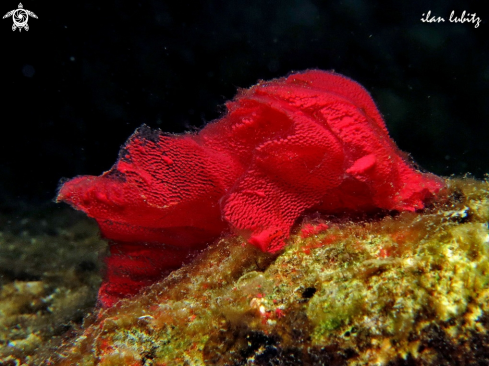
313, 141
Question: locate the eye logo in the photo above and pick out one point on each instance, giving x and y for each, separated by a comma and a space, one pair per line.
20, 17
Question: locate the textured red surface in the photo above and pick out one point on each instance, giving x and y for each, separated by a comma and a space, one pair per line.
312, 141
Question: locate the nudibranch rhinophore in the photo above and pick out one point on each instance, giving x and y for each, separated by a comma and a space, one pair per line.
311, 141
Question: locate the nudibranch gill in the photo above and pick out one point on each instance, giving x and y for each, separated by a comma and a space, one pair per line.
312, 141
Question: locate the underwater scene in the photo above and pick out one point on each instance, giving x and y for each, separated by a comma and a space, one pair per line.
244, 183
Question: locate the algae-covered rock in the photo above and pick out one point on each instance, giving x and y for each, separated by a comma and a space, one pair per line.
49, 276
408, 288
403, 288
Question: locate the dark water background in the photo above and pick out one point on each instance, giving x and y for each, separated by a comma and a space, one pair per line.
86, 74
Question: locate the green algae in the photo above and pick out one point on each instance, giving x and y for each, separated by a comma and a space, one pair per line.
408, 287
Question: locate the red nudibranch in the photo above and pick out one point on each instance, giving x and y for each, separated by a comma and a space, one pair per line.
312, 141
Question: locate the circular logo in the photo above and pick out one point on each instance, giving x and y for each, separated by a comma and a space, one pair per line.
20, 17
